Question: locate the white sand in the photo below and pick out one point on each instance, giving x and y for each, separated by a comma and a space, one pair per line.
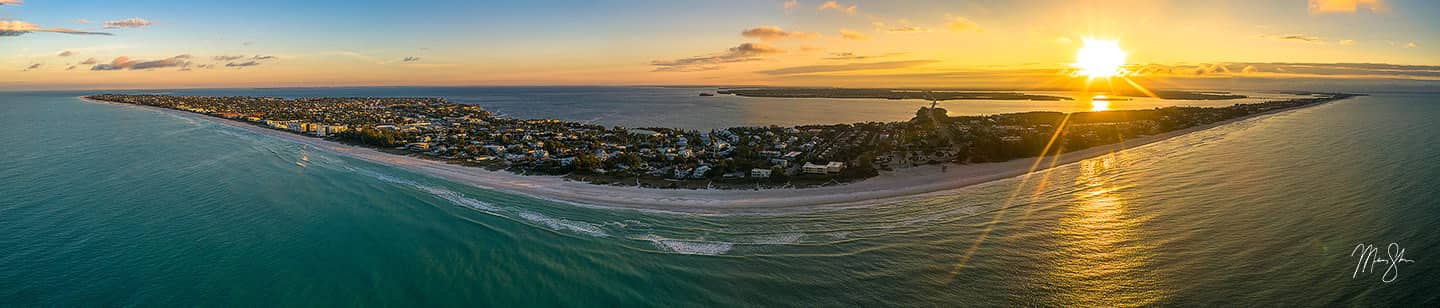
889, 185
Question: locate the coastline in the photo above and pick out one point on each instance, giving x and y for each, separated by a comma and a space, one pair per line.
888, 185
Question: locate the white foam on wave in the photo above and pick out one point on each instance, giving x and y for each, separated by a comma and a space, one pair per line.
564, 224
557, 224
691, 247
386, 178
780, 239
457, 198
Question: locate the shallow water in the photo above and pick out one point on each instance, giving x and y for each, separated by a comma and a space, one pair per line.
115, 205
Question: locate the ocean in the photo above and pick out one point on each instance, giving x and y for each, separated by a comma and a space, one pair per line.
108, 205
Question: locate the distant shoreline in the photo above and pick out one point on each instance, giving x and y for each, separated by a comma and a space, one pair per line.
888, 185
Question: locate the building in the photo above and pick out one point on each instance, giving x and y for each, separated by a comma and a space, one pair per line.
810, 168
832, 167
700, 172
760, 173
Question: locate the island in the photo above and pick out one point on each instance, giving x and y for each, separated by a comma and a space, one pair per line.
749, 158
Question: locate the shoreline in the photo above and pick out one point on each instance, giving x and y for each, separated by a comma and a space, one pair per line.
889, 185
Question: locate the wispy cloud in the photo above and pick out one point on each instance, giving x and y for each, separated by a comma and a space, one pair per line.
410, 59
65, 53
89, 61
832, 5
1295, 38
1346, 6
12, 2
126, 63
242, 64
223, 58
261, 58
33, 66
743, 53
902, 26
853, 56
810, 69
17, 28
962, 24
1411, 45
133, 23
852, 35
772, 33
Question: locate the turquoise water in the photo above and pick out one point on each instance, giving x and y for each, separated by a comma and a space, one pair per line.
105, 205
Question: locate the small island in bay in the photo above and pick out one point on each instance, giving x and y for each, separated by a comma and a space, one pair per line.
732, 158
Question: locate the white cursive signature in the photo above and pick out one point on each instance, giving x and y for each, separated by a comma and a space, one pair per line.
1367, 253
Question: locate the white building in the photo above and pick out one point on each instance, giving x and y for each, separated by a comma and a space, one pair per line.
760, 173
810, 168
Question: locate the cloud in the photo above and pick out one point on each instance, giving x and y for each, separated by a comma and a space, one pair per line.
1296, 37
223, 58
1307, 70
134, 23
33, 66
65, 53
262, 58
852, 35
852, 56
82, 21
71, 68
1411, 45
242, 64
121, 63
89, 61
744, 53
17, 28
810, 69
12, 2
1347, 42
772, 33
962, 24
906, 28
1347, 6
901, 26
410, 59
832, 5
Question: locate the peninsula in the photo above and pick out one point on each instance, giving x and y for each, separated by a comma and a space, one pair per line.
561, 160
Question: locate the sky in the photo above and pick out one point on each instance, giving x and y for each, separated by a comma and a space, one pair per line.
113, 44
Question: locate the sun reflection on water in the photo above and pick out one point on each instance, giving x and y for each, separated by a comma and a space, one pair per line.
1099, 103
1102, 258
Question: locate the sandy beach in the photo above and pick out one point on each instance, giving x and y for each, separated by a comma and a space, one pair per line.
889, 185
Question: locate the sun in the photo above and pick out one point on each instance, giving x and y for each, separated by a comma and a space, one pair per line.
1100, 59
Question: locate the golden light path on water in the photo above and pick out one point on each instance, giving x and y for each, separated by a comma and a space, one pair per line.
1109, 254
1102, 258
